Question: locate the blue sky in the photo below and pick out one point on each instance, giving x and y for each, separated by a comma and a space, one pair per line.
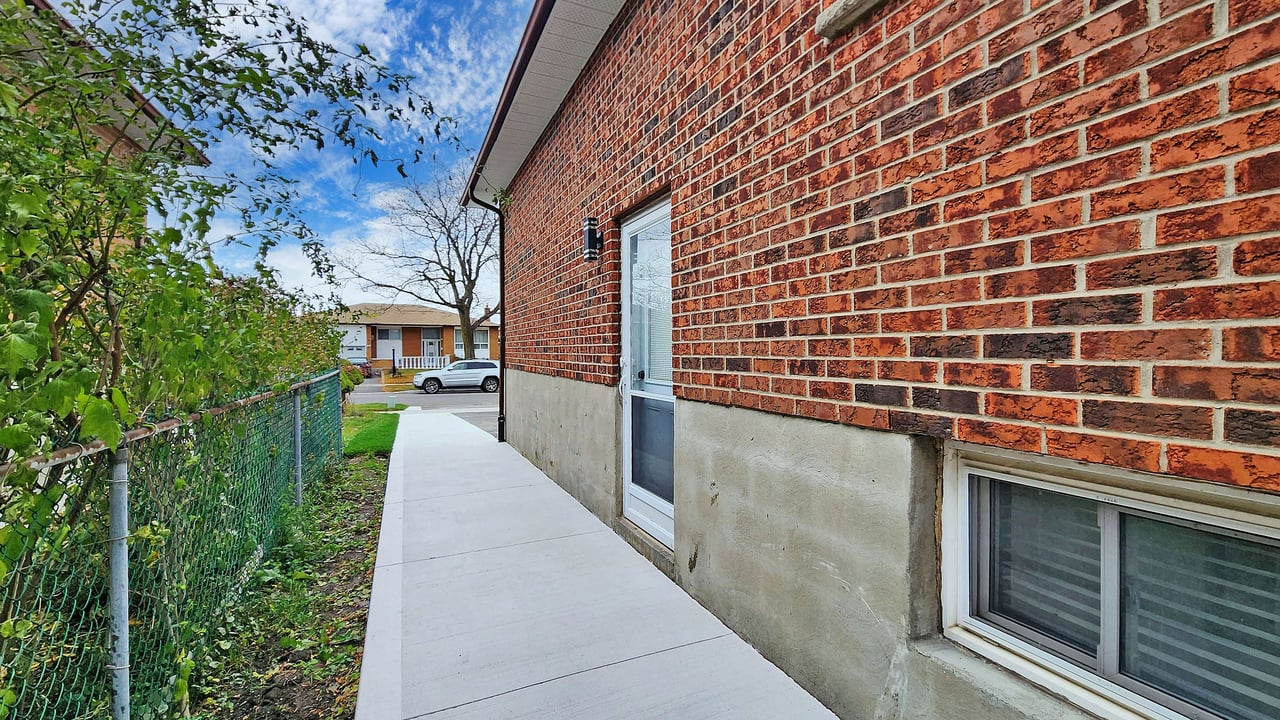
459, 51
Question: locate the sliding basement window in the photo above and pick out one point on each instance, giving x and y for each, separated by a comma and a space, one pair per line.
1161, 607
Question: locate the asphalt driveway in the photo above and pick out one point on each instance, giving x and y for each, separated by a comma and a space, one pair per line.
448, 400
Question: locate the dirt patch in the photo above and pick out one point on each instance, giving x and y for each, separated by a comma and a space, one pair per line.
292, 650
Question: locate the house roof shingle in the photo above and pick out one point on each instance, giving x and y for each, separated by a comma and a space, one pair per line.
399, 314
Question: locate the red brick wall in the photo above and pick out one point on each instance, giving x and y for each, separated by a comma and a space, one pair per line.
1051, 226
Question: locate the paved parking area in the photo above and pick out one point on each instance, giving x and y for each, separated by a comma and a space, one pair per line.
496, 596
486, 420
448, 400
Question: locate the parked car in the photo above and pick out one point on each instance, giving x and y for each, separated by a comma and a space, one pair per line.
461, 374
366, 368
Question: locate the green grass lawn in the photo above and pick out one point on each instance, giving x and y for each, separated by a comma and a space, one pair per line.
354, 411
369, 429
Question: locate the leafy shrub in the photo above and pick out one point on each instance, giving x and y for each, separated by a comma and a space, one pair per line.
351, 377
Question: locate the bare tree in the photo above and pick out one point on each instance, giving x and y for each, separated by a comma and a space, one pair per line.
438, 252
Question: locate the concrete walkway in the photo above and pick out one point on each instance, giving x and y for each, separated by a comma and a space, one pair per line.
497, 596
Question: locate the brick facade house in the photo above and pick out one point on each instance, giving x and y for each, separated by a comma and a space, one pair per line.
969, 398
378, 332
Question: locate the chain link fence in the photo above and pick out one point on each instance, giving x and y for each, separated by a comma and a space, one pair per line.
205, 497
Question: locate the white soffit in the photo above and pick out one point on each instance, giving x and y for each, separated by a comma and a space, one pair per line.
570, 36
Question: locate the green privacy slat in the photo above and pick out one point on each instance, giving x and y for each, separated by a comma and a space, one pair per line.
205, 502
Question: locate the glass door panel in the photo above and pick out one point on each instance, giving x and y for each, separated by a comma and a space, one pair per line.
648, 400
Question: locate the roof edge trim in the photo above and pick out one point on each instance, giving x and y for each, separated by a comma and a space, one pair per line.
528, 44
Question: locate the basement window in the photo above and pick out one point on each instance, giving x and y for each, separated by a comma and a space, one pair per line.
1126, 601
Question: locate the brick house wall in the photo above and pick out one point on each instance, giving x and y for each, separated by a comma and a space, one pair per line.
1046, 226
446, 340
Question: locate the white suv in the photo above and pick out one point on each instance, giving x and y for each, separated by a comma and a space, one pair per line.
461, 374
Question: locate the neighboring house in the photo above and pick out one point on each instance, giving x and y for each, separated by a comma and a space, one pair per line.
140, 115
416, 336
354, 342
934, 350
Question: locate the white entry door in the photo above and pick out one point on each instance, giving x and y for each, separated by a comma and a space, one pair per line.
648, 403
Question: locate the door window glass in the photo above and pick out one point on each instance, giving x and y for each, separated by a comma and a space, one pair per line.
651, 308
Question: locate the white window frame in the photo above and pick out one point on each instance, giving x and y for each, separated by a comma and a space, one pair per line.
458, 348
1221, 506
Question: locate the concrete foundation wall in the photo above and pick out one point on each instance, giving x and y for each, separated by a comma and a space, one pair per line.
816, 542
569, 429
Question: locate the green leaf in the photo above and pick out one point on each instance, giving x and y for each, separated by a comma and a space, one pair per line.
122, 406
28, 243
100, 422
16, 437
16, 353
34, 301
9, 98
8, 699
59, 396
15, 628
24, 205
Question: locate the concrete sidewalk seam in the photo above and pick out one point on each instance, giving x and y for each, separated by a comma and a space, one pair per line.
489, 549
568, 675
469, 492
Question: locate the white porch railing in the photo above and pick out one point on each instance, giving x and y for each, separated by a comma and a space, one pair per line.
422, 362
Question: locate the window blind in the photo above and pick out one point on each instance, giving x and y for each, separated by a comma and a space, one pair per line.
1194, 611
658, 330
1046, 563
1201, 617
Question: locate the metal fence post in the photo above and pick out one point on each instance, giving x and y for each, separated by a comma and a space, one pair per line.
119, 591
297, 445
338, 411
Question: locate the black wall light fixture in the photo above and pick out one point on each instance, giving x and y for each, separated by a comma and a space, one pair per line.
592, 239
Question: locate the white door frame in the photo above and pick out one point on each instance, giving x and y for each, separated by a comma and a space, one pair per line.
649, 512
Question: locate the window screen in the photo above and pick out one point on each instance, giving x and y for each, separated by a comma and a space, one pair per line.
1200, 618
1189, 617
1045, 560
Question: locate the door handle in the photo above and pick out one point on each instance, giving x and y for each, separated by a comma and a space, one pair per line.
640, 375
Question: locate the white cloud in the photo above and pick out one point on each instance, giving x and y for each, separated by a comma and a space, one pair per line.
345, 241
462, 62
460, 53
344, 23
